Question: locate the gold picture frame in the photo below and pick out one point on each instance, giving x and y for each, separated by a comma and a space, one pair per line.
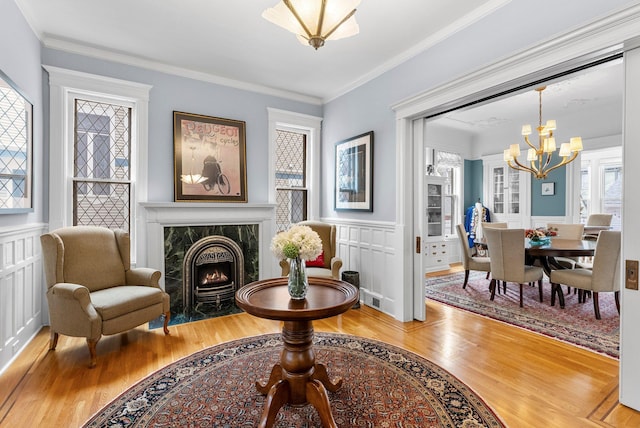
210, 162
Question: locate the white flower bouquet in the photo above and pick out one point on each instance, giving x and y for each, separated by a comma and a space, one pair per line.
299, 242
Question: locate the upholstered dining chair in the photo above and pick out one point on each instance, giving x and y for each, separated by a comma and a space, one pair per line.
495, 224
506, 249
603, 277
92, 289
327, 264
596, 223
470, 261
567, 231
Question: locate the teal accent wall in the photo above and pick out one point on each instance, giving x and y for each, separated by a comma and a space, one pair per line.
553, 205
472, 182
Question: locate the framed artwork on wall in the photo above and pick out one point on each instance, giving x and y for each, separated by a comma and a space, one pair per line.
548, 189
210, 162
16, 147
354, 173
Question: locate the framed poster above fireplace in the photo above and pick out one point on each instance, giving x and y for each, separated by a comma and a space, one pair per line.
210, 163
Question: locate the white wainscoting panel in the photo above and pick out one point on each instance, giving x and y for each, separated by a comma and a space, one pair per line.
21, 289
367, 248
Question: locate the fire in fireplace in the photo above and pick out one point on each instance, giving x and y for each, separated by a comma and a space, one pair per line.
213, 270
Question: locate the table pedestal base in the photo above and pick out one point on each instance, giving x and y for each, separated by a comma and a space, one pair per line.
298, 379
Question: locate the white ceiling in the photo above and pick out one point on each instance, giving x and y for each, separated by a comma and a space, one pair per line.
231, 41
588, 102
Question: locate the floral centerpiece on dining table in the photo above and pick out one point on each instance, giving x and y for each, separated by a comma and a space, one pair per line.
298, 244
540, 234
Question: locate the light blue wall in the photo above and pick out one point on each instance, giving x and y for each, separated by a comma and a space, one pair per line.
20, 61
496, 36
171, 93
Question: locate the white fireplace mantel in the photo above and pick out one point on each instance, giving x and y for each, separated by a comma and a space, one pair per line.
158, 215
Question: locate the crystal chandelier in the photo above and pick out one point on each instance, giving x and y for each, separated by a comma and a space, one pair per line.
314, 21
539, 158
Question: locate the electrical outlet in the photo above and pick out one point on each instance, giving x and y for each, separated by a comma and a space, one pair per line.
631, 274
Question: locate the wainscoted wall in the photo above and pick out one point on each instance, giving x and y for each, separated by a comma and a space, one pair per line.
21, 289
367, 247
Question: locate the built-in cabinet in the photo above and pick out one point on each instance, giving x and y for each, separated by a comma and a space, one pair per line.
507, 192
437, 249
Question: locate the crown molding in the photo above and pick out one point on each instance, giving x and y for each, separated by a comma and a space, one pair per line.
135, 61
580, 46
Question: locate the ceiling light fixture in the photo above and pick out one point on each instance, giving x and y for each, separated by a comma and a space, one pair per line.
540, 157
314, 21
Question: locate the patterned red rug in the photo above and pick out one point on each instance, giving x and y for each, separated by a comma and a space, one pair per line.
384, 386
575, 324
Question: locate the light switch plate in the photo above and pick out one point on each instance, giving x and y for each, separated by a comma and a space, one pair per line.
631, 274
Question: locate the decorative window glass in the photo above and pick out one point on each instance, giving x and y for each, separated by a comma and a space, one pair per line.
15, 149
291, 178
102, 152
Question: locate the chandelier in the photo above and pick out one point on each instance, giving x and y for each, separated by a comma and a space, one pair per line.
539, 158
314, 21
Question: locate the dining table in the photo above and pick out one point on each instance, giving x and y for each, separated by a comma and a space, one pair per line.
549, 252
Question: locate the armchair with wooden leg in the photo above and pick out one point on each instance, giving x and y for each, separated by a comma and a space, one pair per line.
92, 289
327, 264
469, 260
506, 250
603, 277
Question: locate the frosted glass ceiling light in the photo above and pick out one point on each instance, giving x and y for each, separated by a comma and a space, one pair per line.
314, 21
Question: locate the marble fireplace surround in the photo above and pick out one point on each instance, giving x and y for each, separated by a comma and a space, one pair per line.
158, 215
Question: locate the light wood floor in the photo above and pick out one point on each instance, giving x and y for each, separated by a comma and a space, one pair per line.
528, 379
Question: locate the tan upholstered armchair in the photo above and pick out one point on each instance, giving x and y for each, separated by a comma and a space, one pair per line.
91, 288
331, 264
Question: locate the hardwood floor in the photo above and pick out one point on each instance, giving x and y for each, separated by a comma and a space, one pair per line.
529, 380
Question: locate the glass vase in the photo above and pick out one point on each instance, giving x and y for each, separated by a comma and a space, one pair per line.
298, 282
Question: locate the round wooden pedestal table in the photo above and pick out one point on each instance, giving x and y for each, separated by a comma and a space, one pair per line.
298, 379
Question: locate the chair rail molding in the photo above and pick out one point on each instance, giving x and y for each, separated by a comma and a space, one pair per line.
22, 313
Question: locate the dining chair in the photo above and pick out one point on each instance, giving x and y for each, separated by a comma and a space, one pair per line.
506, 247
603, 277
495, 224
596, 223
567, 231
470, 261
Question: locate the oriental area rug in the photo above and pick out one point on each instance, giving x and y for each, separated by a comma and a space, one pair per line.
575, 324
384, 386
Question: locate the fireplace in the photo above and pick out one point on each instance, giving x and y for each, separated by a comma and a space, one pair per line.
213, 269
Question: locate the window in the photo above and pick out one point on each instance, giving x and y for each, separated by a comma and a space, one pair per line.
449, 166
294, 147
98, 151
291, 180
601, 184
15, 149
101, 182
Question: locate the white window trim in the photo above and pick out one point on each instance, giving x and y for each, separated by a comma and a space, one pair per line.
311, 126
66, 85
